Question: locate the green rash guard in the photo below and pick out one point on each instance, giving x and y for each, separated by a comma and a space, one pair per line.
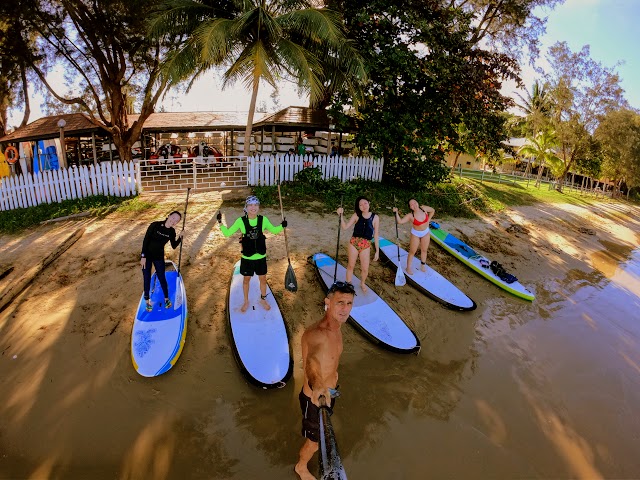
239, 225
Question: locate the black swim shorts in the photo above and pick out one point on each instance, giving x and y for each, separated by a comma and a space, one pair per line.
311, 417
250, 267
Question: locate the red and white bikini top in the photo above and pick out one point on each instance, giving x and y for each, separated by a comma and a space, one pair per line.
417, 223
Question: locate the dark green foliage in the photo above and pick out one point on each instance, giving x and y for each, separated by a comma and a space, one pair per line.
309, 176
457, 198
427, 80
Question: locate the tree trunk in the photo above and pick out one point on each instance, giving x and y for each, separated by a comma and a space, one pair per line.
540, 170
455, 162
25, 91
252, 109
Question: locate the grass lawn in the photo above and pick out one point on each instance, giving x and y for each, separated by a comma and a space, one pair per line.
500, 196
461, 197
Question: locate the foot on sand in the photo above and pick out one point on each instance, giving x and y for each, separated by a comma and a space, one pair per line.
303, 472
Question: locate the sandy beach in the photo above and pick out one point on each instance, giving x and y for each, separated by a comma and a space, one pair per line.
74, 407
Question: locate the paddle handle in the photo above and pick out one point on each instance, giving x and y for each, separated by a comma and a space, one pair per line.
277, 175
331, 467
335, 271
184, 219
286, 241
395, 217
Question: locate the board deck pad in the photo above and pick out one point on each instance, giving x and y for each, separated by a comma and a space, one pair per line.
259, 337
158, 337
471, 258
431, 283
370, 314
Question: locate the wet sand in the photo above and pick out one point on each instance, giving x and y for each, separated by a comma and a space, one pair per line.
513, 389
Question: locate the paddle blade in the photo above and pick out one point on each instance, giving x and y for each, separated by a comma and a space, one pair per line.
401, 280
331, 467
290, 282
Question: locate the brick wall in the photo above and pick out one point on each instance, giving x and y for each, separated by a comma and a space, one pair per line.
200, 175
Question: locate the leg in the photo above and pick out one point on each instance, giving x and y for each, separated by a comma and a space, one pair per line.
424, 246
306, 452
263, 292
146, 276
364, 268
351, 264
245, 289
162, 278
413, 248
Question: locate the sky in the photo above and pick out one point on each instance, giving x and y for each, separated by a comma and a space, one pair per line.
608, 26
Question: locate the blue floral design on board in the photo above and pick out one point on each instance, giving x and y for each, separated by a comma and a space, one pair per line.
144, 341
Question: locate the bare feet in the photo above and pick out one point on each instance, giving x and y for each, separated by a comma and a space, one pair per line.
265, 304
423, 267
244, 307
303, 472
364, 288
408, 270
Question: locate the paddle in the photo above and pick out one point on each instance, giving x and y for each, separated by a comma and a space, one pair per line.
331, 467
401, 280
335, 272
290, 281
184, 219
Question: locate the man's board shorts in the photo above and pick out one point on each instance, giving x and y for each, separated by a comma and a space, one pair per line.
311, 417
250, 267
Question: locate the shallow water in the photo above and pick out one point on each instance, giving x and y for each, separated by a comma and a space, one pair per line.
513, 390
547, 389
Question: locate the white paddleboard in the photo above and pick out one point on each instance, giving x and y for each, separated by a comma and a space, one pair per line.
431, 283
259, 337
370, 314
158, 336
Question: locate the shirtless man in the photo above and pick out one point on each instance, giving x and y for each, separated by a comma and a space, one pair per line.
321, 350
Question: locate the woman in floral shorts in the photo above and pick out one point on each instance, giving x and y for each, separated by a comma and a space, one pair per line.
365, 230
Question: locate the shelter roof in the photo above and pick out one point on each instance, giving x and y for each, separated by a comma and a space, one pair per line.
77, 124
297, 117
192, 121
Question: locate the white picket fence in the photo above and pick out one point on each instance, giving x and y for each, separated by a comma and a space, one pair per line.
118, 179
261, 168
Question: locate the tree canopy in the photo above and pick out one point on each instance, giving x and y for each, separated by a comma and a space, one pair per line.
258, 40
18, 50
108, 61
619, 136
583, 92
428, 82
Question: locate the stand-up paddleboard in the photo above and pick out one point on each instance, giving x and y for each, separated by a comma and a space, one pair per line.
371, 315
259, 337
158, 336
431, 283
472, 259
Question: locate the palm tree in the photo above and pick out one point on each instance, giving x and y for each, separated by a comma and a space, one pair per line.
537, 107
254, 40
541, 149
